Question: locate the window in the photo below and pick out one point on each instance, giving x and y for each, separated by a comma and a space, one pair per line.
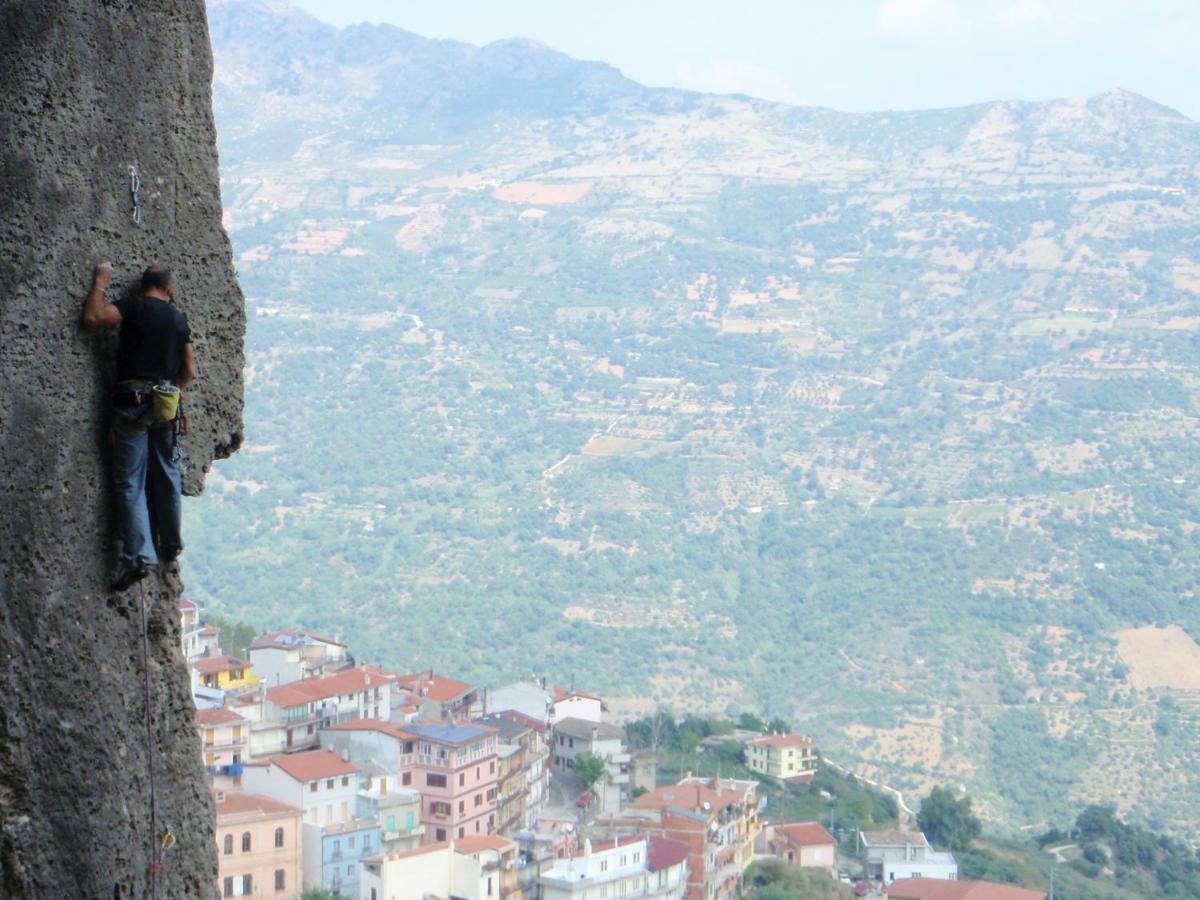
461, 806
228, 887
313, 787
228, 844
478, 800
489, 893
492, 767
350, 870
278, 837
461, 777
435, 780
345, 781
280, 882
391, 823
439, 807
245, 842
329, 783
460, 831
439, 834
337, 848
477, 826
491, 822
637, 856
247, 884
406, 778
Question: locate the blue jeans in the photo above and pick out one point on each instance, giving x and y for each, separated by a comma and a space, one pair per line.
146, 481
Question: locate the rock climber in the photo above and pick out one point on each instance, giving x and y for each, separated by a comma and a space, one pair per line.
154, 361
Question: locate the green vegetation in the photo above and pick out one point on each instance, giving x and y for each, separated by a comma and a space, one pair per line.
902, 427
589, 767
948, 821
772, 880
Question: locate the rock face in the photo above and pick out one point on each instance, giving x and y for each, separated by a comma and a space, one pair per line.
87, 89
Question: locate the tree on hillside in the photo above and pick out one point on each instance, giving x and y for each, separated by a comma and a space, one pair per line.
946, 821
589, 767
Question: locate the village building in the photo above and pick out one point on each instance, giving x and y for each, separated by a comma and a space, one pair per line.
523, 769
629, 867
224, 673
333, 854
438, 698
892, 855
299, 710
474, 868
804, 844
320, 783
718, 821
223, 738
784, 757
281, 657
258, 847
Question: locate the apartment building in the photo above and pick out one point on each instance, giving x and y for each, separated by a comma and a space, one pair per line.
474, 868
784, 757
717, 819
523, 754
302, 708
321, 784
439, 698
333, 854
223, 737
628, 867
258, 847
282, 657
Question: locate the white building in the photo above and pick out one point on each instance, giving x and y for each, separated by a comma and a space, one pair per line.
281, 657
628, 867
321, 784
304, 707
889, 855
471, 868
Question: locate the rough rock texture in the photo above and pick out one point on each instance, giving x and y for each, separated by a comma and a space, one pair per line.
88, 87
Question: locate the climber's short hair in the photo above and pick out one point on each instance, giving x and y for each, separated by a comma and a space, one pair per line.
156, 277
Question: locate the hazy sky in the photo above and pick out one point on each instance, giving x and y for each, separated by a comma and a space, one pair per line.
847, 54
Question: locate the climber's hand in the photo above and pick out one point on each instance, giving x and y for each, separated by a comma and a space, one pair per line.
102, 276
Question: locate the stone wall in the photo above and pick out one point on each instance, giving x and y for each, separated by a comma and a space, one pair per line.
88, 88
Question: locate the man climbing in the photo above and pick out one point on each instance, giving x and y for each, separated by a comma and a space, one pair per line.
154, 351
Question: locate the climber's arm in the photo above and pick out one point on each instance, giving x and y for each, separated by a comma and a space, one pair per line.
97, 313
188, 373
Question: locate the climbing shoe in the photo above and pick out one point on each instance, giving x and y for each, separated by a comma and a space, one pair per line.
130, 574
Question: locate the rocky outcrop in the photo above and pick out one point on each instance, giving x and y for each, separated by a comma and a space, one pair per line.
87, 89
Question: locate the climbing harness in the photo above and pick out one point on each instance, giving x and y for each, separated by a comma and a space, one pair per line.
158, 848
135, 189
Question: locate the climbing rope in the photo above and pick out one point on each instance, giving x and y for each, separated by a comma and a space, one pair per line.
135, 189
157, 849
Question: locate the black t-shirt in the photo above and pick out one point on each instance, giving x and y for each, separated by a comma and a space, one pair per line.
152, 336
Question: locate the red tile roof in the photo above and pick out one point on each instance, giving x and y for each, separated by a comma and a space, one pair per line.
688, 795
805, 834
474, 844
434, 687
313, 764
519, 717
237, 804
216, 716
782, 741
312, 690
662, 853
211, 665
939, 889
374, 725
185, 603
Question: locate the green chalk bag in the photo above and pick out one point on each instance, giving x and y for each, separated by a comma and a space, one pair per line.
166, 402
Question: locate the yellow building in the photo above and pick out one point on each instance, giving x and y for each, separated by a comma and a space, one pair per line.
786, 757
224, 673
258, 847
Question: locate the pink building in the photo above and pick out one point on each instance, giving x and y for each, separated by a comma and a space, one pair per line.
453, 767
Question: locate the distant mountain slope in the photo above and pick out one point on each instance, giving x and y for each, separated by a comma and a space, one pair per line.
886, 422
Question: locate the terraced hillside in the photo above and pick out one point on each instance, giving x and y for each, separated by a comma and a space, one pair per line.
883, 422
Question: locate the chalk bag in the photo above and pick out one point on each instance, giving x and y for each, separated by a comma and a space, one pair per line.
166, 402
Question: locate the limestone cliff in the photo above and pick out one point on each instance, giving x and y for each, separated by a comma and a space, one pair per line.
87, 89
